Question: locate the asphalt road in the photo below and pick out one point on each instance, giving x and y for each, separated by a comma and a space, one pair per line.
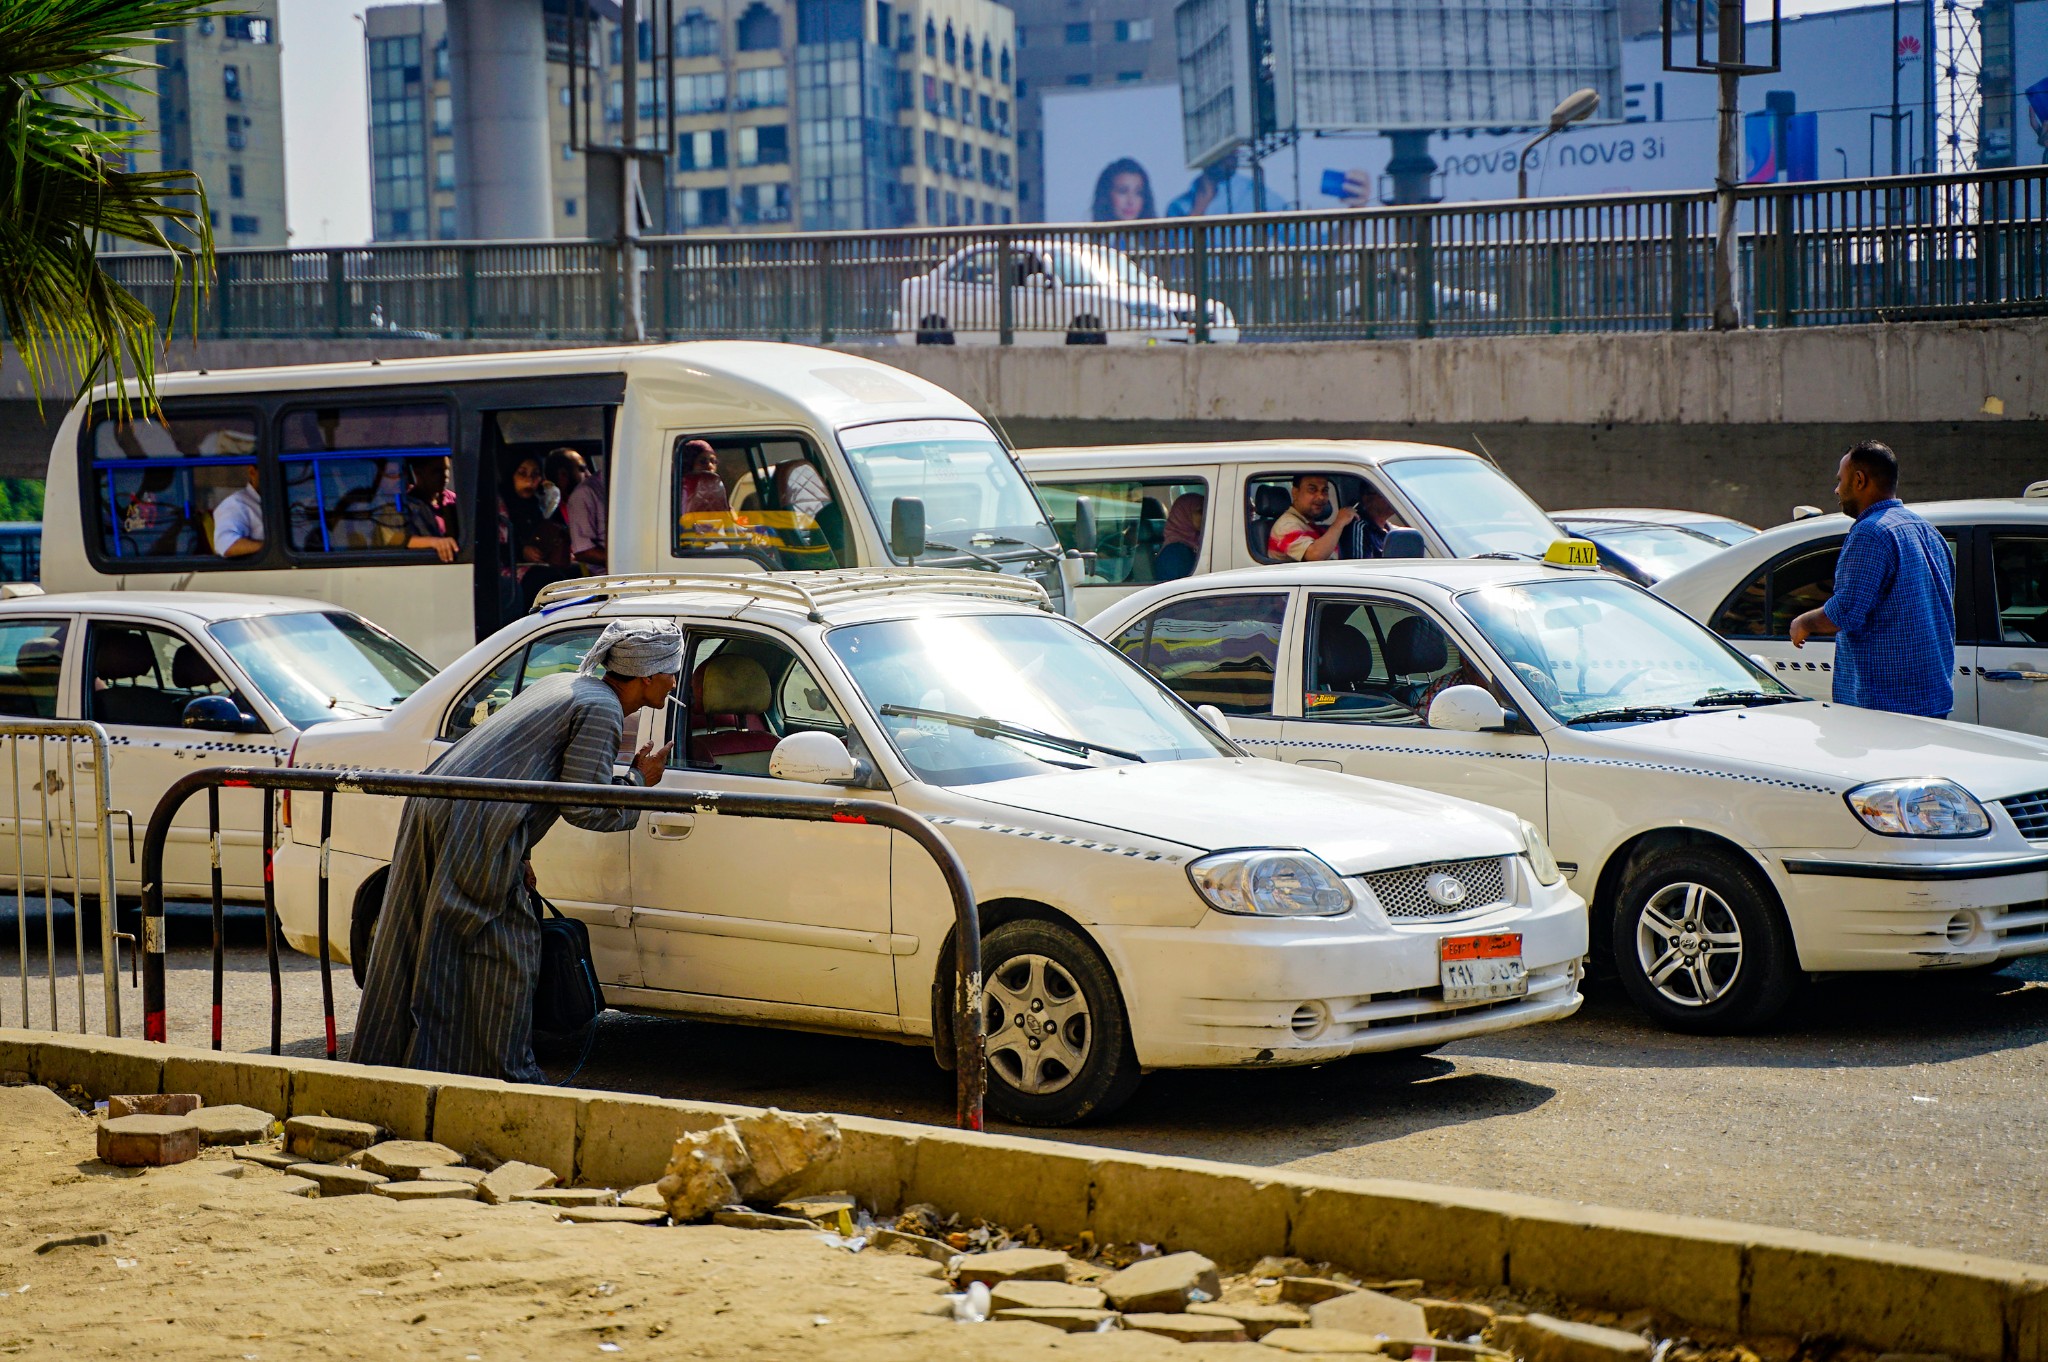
1902, 1108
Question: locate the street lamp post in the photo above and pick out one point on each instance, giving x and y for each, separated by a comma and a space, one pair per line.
1575, 107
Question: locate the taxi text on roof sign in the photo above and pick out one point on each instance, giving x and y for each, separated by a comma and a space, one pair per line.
1578, 553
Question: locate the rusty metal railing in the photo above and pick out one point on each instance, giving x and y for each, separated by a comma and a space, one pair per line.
967, 1024
54, 779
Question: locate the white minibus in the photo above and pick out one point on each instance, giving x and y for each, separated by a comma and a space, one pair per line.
437, 496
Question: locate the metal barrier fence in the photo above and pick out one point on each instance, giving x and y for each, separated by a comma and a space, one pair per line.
966, 1025
1820, 253
46, 781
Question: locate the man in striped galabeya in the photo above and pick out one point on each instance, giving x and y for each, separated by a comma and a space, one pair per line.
456, 953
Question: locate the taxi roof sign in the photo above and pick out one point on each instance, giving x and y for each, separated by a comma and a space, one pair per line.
1572, 553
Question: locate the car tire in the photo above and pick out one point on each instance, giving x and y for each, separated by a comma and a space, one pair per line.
1059, 1043
1087, 330
362, 926
1700, 942
933, 329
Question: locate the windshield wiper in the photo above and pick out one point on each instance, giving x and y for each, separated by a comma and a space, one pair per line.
955, 548
1037, 550
1745, 698
1628, 713
991, 728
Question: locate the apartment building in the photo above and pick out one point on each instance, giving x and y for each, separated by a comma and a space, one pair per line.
1065, 43
788, 115
218, 110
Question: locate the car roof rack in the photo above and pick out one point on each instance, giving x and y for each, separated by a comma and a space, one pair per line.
808, 591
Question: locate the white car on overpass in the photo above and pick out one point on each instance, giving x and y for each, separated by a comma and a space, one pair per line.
1058, 292
1151, 897
179, 680
1731, 835
1750, 592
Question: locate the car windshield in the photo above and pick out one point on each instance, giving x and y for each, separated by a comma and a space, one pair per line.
1474, 507
1727, 531
1590, 646
972, 698
323, 665
1086, 266
1659, 550
975, 499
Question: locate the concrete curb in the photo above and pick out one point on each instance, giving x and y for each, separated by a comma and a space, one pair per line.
1715, 1274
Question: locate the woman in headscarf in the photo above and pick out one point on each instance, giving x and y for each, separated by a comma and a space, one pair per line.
519, 518
1182, 540
456, 955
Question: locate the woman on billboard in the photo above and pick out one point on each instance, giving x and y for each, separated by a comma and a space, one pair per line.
1123, 193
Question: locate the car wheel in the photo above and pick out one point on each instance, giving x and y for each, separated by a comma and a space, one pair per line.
1087, 330
933, 329
362, 926
1700, 943
1059, 1045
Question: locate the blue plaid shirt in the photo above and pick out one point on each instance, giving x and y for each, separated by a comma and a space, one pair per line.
1895, 604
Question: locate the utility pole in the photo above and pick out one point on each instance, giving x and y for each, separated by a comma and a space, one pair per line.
1727, 173
629, 169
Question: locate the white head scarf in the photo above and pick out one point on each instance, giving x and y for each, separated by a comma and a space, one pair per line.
635, 647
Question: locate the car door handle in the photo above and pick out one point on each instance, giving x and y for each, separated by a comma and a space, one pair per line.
671, 827
2013, 676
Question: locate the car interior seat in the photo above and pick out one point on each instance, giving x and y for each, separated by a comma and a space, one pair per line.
1416, 652
121, 660
191, 671
729, 699
28, 690
1270, 501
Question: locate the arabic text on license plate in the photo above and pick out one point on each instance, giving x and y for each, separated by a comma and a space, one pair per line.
1478, 968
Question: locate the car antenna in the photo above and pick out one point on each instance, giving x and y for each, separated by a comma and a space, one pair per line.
1486, 453
1001, 434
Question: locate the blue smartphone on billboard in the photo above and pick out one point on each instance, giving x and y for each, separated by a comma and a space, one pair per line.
1333, 183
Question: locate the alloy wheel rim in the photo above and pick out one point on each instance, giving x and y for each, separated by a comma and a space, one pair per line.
1039, 1030
1689, 943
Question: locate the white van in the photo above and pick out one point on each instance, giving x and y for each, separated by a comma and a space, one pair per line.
406, 489
1145, 497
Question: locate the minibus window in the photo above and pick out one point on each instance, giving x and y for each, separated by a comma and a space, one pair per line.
764, 497
156, 484
360, 478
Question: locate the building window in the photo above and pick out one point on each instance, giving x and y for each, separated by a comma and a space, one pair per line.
1003, 116
764, 202
761, 87
931, 39
242, 224
931, 207
1005, 65
701, 93
697, 35
883, 22
988, 166
1134, 30
444, 115
946, 99
1020, 87
231, 83
445, 216
1129, 77
234, 182
952, 48
759, 29
568, 209
568, 151
444, 170
931, 94
931, 150
946, 148
952, 209
1078, 33
765, 146
238, 137
1006, 217
988, 120
700, 150
241, 28
703, 207
441, 60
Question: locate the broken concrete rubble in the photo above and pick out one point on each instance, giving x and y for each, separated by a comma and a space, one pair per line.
148, 1141
152, 1104
1067, 1320
1010, 1265
755, 1158
509, 1181
1542, 1338
405, 1160
1163, 1285
334, 1180
1187, 1328
233, 1124
1370, 1313
1258, 1320
327, 1139
1025, 1294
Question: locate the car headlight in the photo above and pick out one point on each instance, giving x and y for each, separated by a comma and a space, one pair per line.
1270, 884
1540, 859
1926, 807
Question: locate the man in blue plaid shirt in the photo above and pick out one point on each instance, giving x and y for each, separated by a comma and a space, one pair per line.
1893, 611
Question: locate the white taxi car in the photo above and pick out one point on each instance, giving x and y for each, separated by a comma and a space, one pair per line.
1729, 834
180, 680
1150, 896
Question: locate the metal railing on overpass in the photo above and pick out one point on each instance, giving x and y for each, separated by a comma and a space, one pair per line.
1824, 253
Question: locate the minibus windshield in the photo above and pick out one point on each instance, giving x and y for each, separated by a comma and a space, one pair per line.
976, 502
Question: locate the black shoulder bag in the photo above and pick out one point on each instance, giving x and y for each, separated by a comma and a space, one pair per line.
567, 998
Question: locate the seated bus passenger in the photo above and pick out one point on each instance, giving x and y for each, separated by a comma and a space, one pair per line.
1182, 539
238, 520
430, 508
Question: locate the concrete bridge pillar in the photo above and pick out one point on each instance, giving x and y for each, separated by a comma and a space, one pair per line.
497, 54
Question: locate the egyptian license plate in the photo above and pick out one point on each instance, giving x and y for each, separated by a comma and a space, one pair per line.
1476, 969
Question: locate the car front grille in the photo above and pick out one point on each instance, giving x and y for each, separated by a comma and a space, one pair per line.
1404, 893
2030, 813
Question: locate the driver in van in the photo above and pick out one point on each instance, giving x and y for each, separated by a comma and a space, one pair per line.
1306, 531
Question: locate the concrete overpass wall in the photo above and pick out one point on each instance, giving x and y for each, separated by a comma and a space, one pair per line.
1748, 423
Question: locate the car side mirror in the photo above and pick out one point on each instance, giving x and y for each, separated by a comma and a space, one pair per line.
219, 714
1404, 543
1215, 718
1467, 709
814, 758
906, 528
1085, 531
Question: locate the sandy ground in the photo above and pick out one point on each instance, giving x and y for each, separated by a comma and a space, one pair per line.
212, 1259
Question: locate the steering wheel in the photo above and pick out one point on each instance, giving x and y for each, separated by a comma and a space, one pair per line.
1539, 682
1621, 682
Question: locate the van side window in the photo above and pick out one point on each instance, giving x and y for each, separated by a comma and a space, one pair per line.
367, 477
1145, 531
763, 497
155, 484
1212, 650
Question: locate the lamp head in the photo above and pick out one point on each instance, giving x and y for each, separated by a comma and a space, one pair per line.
1573, 108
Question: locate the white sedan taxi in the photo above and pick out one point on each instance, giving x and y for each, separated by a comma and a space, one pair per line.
1150, 896
180, 680
1729, 834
